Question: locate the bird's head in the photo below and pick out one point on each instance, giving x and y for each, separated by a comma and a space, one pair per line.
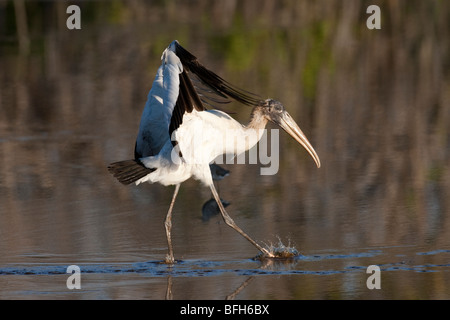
275, 112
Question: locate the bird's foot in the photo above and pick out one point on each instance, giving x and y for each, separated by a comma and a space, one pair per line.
278, 252
267, 254
169, 259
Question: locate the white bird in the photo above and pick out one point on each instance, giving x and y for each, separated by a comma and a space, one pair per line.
179, 138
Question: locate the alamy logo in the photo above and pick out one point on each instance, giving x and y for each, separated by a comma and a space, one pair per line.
74, 281
374, 20
231, 149
74, 20
373, 281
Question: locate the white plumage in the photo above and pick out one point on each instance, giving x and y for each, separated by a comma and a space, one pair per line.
155, 120
178, 138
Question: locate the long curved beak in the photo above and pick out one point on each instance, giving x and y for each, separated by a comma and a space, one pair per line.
288, 124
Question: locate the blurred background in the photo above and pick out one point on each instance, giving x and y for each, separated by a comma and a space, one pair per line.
375, 104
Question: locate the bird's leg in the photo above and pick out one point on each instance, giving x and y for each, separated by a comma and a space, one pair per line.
232, 224
168, 224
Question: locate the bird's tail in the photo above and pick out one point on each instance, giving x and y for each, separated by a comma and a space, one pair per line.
129, 171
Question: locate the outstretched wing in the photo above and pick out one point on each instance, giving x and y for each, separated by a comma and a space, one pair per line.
173, 94
159, 108
217, 84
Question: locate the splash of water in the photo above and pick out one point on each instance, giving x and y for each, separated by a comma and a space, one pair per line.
279, 251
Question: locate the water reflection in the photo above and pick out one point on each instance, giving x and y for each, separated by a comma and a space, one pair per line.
210, 208
375, 105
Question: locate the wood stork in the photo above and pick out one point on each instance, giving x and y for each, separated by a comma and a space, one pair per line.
178, 137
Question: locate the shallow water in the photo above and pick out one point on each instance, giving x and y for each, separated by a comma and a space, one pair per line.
380, 197
405, 274
62, 213
73, 213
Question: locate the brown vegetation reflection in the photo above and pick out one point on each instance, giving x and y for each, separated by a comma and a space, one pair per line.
375, 104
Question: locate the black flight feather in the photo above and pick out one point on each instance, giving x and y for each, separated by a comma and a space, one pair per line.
220, 86
188, 97
129, 171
